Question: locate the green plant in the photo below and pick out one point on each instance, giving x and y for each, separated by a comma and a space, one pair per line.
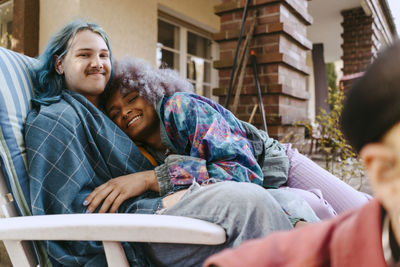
330, 139
331, 75
325, 135
340, 158
331, 78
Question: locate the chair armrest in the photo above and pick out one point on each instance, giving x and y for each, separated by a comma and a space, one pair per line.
112, 227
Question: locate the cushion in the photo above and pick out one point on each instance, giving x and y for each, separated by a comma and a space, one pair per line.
16, 90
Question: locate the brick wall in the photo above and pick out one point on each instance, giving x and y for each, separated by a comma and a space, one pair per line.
365, 32
281, 45
357, 37
359, 42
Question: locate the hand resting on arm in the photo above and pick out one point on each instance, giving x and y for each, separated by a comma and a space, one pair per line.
117, 190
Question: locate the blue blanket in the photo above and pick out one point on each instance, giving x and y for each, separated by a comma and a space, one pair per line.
72, 147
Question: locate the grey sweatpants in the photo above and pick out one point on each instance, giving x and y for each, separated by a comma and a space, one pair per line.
244, 210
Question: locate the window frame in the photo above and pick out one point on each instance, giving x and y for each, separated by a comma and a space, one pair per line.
184, 28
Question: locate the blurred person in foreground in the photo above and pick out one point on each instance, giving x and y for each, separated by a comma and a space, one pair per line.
370, 235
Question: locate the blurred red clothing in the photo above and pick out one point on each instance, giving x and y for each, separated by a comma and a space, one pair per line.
351, 239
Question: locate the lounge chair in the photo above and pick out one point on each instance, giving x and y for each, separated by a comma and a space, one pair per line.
21, 232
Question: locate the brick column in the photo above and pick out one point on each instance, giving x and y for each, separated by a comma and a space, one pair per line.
358, 42
281, 46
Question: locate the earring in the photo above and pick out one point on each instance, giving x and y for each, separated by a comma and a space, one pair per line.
59, 71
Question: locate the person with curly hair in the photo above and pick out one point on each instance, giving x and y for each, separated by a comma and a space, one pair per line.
193, 138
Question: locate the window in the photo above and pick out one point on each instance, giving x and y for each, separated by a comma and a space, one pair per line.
187, 50
168, 51
6, 20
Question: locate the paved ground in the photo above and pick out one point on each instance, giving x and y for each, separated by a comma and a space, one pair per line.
359, 181
361, 184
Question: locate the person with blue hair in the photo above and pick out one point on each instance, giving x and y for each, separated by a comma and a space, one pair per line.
73, 148
50, 83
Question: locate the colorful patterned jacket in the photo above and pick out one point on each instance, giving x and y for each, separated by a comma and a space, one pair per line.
207, 141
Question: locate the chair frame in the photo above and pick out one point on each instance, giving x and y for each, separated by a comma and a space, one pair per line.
111, 229
17, 231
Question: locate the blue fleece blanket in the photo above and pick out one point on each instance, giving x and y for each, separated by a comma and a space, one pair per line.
72, 147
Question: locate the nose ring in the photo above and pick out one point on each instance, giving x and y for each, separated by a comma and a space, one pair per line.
126, 115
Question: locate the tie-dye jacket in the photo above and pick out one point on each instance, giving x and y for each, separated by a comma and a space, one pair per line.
206, 141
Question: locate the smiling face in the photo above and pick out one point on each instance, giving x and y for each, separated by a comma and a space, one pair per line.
86, 66
137, 118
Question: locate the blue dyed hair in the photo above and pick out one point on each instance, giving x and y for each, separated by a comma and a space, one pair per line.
49, 84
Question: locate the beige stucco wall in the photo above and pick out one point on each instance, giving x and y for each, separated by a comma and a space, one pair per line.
131, 24
199, 12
